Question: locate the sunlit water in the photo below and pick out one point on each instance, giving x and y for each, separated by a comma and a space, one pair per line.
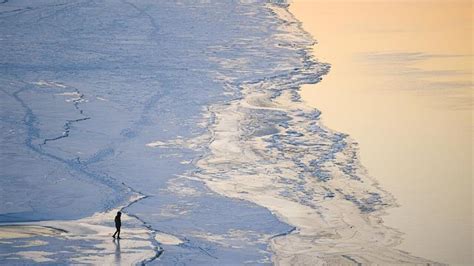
401, 86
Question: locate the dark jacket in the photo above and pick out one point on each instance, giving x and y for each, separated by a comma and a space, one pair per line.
118, 222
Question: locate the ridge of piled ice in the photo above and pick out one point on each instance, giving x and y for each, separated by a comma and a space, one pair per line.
269, 148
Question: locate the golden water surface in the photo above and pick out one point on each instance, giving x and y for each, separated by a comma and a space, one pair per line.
401, 86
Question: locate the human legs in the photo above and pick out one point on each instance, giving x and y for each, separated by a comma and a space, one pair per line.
117, 232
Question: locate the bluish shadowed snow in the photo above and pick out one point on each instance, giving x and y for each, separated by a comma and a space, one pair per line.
85, 85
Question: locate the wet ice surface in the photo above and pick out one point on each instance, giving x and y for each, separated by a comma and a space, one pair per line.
84, 241
87, 85
191, 107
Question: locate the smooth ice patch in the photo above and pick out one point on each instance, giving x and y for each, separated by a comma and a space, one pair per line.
36, 256
167, 239
33, 243
45, 83
85, 236
26, 231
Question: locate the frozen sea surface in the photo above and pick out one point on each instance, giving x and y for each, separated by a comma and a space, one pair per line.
187, 114
85, 87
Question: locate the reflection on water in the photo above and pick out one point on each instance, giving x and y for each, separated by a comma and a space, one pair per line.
401, 85
117, 251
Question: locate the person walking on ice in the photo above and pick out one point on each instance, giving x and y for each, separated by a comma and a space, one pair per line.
118, 224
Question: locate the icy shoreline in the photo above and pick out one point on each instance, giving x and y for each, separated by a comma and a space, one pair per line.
270, 148
194, 106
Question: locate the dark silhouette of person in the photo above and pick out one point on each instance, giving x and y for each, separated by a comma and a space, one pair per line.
118, 224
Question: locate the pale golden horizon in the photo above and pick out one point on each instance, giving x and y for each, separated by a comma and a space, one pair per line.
401, 85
